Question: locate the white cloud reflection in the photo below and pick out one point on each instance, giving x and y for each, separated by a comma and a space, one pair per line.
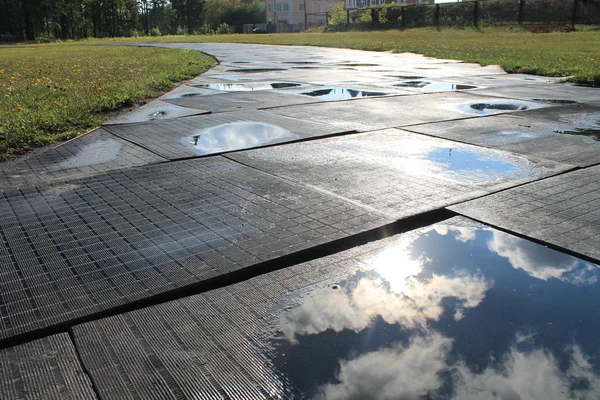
392, 373
398, 297
413, 371
540, 262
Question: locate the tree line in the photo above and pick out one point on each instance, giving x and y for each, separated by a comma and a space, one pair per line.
78, 19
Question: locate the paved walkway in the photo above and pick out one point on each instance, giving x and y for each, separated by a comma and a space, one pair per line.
277, 156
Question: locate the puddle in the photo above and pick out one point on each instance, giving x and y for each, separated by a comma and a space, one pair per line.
306, 67
492, 107
455, 310
255, 70
188, 94
342, 94
97, 152
234, 136
593, 133
300, 62
244, 87
359, 65
443, 86
556, 101
406, 76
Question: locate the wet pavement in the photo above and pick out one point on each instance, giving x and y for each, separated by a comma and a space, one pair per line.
284, 226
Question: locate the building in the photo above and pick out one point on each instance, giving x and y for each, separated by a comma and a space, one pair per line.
290, 15
353, 4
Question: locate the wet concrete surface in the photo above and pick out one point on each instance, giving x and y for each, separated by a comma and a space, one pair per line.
91, 229
454, 310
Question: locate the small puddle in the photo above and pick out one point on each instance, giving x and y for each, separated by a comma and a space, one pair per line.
593, 133
406, 76
342, 94
157, 115
234, 136
502, 314
188, 94
472, 165
300, 62
555, 101
359, 65
492, 107
244, 87
442, 86
255, 70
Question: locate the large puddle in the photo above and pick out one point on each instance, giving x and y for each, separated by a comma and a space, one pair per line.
342, 94
457, 310
234, 136
441, 86
245, 87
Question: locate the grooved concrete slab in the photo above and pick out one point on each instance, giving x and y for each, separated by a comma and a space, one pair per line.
47, 368
93, 153
562, 210
396, 313
397, 172
83, 246
219, 133
534, 133
155, 110
220, 102
389, 112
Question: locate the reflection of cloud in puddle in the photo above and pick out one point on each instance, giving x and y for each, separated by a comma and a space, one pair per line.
529, 376
398, 298
392, 373
234, 136
462, 233
541, 262
98, 152
416, 370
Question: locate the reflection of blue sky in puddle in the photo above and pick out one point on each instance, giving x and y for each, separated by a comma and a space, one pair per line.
456, 310
463, 161
234, 136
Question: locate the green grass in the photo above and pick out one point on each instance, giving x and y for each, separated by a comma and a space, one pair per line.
54, 92
572, 54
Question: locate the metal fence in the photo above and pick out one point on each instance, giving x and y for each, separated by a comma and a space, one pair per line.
488, 12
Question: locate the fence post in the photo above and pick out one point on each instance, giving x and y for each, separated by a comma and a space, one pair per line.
521, 11
326, 18
575, 12
436, 17
403, 15
476, 14
347, 18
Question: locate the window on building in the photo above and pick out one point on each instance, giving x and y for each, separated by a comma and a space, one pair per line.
269, 8
351, 4
301, 7
363, 3
286, 7
318, 8
278, 7
381, 2
373, 2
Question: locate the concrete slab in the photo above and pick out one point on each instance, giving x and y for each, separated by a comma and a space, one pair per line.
561, 210
396, 111
236, 101
397, 172
91, 154
555, 133
81, 247
398, 313
47, 368
217, 133
557, 91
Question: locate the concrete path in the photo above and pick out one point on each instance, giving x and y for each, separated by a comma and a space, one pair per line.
190, 223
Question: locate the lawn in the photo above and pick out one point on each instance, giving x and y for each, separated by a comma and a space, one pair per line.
573, 54
54, 92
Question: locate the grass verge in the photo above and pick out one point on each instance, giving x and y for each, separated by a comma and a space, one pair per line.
54, 92
573, 54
